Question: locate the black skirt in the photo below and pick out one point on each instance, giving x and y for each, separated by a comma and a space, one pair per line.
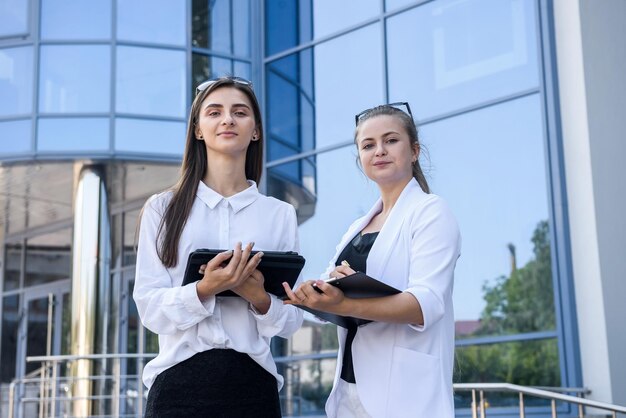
217, 384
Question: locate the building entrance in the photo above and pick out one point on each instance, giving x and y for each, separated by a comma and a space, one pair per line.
43, 330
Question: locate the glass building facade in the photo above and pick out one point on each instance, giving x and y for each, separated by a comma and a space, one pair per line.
103, 88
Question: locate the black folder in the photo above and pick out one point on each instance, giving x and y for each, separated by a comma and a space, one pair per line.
357, 286
277, 267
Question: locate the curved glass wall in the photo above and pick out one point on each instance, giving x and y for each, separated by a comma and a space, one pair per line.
112, 80
478, 101
87, 69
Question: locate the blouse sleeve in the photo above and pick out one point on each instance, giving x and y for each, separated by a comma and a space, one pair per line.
435, 248
282, 320
163, 308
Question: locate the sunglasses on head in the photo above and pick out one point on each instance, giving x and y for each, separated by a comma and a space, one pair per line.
238, 80
402, 106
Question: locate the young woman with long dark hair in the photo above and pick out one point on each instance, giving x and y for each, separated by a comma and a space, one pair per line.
214, 356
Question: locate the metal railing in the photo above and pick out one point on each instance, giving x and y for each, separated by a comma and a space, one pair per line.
479, 406
48, 392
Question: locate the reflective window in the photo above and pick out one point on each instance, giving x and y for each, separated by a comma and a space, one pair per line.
133, 322
15, 136
241, 27
149, 136
13, 17
75, 19
73, 134
16, 81
312, 382
211, 25
287, 24
490, 167
330, 16
206, 67
48, 257
131, 219
12, 265
8, 352
447, 55
150, 81
242, 69
344, 85
153, 21
83, 86
391, 5
320, 234
527, 363
290, 114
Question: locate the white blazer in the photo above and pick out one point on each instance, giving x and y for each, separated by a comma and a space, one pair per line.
406, 370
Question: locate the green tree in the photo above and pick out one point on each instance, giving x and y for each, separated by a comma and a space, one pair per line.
522, 302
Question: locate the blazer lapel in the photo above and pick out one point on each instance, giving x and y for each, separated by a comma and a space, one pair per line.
384, 244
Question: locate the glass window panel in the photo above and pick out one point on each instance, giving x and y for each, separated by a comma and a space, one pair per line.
12, 266
242, 69
76, 19
502, 147
330, 16
117, 232
339, 67
133, 322
13, 17
287, 24
241, 27
48, 257
311, 384
131, 226
10, 323
206, 67
66, 323
16, 80
527, 363
150, 81
447, 55
211, 25
83, 86
15, 136
153, 21
391, 5
149, 136
320, 234
290, 114
36, 330
73, 134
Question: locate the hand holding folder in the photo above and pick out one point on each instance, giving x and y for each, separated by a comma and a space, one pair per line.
277, 267
356, 286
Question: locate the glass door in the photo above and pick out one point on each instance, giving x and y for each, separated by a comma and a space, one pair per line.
44, 330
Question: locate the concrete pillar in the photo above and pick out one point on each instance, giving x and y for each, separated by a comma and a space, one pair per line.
591, 61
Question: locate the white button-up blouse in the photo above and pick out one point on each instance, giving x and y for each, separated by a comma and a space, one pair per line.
184, 324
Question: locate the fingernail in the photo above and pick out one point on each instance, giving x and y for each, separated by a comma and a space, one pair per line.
251, 244
260, 254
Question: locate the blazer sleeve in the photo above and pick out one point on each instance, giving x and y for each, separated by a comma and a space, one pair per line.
282, 320
435, 248
163, 308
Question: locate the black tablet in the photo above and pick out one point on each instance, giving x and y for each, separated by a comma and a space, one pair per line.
277, 267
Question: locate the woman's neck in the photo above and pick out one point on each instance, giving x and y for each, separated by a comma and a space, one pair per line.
389, 194
225, 175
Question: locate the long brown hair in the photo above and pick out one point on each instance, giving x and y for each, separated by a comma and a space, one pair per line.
411, 130
193, 170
